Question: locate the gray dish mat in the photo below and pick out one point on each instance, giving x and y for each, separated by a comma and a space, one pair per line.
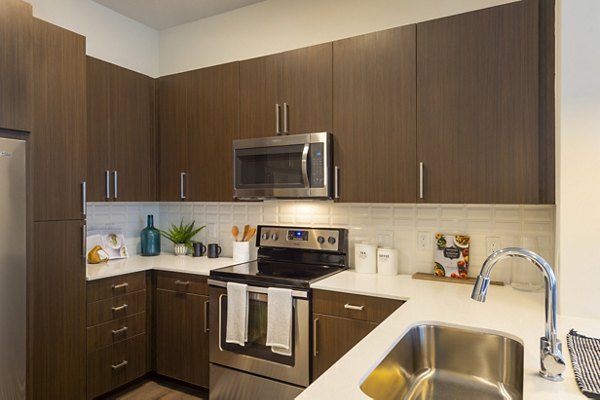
585, 358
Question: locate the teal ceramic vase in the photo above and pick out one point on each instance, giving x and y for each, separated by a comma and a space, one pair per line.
150, 238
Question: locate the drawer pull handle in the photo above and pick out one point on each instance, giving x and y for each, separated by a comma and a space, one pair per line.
120, 285
315, 335
184, 283
119, 365
120, 330
124, 306
206, 328
352, 307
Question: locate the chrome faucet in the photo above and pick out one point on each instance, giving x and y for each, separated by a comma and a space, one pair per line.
552, 362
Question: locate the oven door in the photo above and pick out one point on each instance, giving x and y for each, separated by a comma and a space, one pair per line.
255, 356
293, 166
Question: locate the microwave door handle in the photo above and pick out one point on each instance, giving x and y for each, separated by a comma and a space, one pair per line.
305, 165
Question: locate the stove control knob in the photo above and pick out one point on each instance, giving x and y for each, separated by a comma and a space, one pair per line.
321, 239
274, 237
264, 236
331, 240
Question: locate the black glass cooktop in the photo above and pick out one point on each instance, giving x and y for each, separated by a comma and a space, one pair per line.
275, 273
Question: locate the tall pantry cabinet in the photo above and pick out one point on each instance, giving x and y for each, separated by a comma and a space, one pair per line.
56, 275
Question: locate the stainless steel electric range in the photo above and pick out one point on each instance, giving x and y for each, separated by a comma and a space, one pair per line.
288, 257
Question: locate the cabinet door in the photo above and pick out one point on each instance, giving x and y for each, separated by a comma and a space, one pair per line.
133, 140
98, 152
477, 106
56, 310
213, 124
335, 337
173, 125
59, 128
181, 336
374, 116
259, 114
305, 87
15, 65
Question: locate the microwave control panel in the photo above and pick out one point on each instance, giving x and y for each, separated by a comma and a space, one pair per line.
317, 165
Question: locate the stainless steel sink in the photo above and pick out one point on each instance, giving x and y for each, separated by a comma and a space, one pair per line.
442, 362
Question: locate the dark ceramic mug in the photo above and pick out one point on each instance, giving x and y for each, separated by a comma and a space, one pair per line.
214, 250
199, 249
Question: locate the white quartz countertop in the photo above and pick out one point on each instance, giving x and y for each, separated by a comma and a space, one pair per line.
506, 310
163, 262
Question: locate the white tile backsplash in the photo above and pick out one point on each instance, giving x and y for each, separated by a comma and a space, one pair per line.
515, 225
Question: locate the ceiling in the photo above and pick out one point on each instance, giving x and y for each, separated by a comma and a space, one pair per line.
163, 14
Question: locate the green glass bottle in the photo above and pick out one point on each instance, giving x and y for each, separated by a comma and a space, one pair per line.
150, 238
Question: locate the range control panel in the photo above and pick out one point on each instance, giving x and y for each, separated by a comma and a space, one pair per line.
329, 239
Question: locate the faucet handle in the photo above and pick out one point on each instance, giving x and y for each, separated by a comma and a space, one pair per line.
552, 362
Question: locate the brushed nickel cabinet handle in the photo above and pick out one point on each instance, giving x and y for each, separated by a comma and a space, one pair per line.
315, 347
120, 330
277, 119
285, 118
120, 285
107, 189
116, 183
421, 180
336, 184
83, 241
182, 185
120, 308
119, 365
353, 307
206, 328
184, 283
84, 198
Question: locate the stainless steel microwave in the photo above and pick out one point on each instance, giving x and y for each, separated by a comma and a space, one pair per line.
294, 166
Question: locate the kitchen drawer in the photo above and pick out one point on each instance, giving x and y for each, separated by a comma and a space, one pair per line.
116, 365
115, 286
108, 333
116, 308
188, 283
355, 306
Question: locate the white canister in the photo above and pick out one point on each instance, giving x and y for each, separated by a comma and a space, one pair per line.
387, 261
365, 258
241, 251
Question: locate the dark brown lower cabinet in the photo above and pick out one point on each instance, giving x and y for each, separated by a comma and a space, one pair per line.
335, 336
181, 332
118, 333
340, 321
56, 312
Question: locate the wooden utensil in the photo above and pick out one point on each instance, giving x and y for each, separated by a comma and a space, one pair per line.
235, 231
246, 227
249, 235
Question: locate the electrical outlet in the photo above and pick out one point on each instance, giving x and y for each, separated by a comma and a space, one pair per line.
492, 243
424, 240
212, 231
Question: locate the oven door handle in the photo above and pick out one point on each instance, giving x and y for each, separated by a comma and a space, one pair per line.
305, 165
257, 289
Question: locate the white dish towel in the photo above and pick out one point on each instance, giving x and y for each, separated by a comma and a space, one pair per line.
237, 313
279, 320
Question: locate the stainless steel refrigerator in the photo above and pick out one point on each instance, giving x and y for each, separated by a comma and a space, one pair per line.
12, 268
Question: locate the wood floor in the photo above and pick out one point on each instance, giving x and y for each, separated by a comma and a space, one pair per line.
159, 390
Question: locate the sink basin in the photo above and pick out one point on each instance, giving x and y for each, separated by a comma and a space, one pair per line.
441, 362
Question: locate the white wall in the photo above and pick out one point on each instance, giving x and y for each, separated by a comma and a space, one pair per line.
578, 120
110, 36
274, 26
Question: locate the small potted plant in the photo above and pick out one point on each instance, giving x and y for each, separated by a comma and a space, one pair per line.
181, 236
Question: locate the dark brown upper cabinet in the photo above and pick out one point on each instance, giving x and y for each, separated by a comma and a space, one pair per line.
16, 65
287, 93
121, 133
198, 117
478, 107
374, 110
59, 125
